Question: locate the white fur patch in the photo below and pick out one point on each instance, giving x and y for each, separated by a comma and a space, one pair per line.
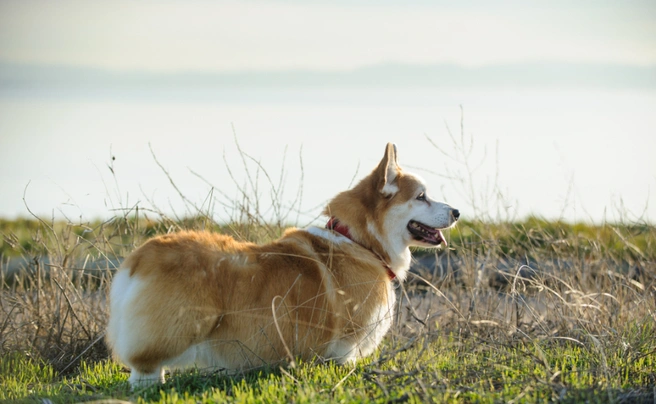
201, 355
121, 330
328, 235
146, 379
341, 351
392, 172
389, 189
396, 247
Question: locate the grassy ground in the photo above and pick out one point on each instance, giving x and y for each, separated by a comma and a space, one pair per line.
532, 311
433, 367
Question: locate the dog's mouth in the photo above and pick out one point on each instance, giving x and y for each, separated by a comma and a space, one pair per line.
426, 234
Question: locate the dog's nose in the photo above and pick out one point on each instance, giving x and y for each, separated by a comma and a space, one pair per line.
455, 213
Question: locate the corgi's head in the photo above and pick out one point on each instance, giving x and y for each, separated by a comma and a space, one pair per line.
391, 210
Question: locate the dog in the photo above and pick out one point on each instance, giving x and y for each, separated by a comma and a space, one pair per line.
204, 299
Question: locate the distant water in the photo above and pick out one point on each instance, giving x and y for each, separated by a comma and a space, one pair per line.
577, 155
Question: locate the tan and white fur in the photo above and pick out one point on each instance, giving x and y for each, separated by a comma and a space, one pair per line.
204, 299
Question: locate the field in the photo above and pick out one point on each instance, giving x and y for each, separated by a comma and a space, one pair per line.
512, 311
526, 311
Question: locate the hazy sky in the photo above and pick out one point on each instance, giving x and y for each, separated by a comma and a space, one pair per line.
322, 35
586, 149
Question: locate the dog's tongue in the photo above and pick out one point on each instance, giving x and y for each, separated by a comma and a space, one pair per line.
432, 234
439, 236
436, 235
425, 233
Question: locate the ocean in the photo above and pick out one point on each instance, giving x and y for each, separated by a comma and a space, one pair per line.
575, 155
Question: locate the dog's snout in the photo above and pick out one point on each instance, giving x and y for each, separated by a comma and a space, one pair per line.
455, 213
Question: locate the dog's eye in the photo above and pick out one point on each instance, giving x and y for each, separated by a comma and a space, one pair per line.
421, 197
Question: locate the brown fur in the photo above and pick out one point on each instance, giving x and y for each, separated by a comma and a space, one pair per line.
207, 286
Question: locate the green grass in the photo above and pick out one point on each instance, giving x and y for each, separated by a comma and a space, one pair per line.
431, 368
24, 378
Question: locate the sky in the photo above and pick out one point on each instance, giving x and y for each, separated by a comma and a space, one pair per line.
58, 129
219, 36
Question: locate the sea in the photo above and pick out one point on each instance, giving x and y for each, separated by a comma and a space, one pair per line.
578, 155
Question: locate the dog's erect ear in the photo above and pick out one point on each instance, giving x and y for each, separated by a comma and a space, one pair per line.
387, 171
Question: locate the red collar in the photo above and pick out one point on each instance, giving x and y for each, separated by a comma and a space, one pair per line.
335, 225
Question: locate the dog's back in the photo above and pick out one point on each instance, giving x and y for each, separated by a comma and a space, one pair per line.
202, 298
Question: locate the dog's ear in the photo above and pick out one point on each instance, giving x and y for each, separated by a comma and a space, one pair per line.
387, 172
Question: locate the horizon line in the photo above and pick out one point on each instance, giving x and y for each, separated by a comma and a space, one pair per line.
389, 74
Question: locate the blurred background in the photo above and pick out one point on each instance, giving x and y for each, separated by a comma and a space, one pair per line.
507, 110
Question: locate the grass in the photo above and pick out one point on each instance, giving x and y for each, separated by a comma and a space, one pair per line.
512, 311
432, 368
577, 323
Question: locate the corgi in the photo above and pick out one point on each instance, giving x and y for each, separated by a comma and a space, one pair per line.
204, 299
